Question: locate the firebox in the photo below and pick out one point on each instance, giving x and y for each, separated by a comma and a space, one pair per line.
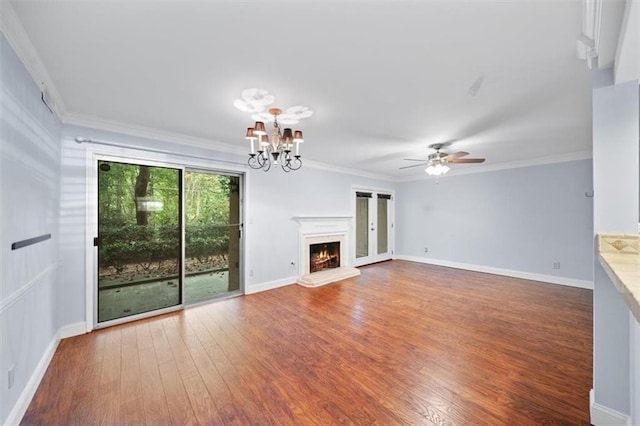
324, 256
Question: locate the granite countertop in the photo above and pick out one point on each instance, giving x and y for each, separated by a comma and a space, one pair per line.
620, 256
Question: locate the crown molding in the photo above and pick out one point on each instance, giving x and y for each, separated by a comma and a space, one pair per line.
625, 65
93, 122
17, 37
593, 21
348, 171
541, 161
589, 40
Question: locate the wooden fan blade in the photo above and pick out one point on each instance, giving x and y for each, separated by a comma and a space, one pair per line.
456, 155
466, 160
414, 165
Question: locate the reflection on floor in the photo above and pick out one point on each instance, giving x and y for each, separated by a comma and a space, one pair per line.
135, 299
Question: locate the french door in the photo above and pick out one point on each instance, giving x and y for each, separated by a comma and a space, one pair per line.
166, 236
373, 213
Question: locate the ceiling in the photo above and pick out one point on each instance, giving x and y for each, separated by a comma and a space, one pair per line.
385, 79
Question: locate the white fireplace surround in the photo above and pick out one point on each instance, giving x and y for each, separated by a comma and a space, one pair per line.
324, 229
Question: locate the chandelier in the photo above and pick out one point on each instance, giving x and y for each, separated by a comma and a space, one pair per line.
277, 150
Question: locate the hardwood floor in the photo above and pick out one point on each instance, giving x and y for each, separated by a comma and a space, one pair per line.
404, 343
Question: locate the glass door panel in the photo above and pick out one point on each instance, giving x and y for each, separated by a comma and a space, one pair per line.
362, 224
212, 235
383, 223
139, 239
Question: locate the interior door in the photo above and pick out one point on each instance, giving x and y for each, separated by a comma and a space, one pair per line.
373, 226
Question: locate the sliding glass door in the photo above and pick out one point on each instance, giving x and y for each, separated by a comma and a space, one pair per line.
212, 235
373, 226
139, 239
165, 237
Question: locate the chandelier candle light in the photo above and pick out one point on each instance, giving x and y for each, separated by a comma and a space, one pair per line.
277, 150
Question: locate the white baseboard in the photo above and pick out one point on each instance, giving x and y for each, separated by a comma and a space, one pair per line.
498, 271
270, 285
605, 416
21, 405
70, 330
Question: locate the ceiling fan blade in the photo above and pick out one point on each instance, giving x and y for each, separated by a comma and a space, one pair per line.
466, 160
414, 159
414, 165
458, 154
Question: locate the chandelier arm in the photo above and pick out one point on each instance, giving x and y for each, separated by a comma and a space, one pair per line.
253, 162
265, 156
296, 163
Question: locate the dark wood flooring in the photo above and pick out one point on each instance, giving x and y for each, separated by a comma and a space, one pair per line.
404, 343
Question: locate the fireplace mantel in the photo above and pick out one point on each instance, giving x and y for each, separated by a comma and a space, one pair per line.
316, 229
321, 223
301, 219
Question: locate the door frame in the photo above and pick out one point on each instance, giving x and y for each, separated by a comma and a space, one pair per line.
145, 157
392, 229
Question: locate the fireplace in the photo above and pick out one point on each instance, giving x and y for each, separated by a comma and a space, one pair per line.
324, 256
324, 250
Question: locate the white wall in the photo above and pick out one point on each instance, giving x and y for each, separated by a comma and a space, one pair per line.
615, 178
519, 220
272, 199
30, 188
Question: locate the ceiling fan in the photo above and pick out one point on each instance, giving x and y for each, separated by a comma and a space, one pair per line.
437, 162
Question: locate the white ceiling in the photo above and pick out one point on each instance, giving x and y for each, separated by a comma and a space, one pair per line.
385, 78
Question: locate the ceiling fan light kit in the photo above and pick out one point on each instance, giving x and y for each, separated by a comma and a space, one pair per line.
437, 163
437, 169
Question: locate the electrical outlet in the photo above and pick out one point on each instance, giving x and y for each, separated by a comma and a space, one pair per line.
250, 272
426, 250
11, 376
556, 264
292, 264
